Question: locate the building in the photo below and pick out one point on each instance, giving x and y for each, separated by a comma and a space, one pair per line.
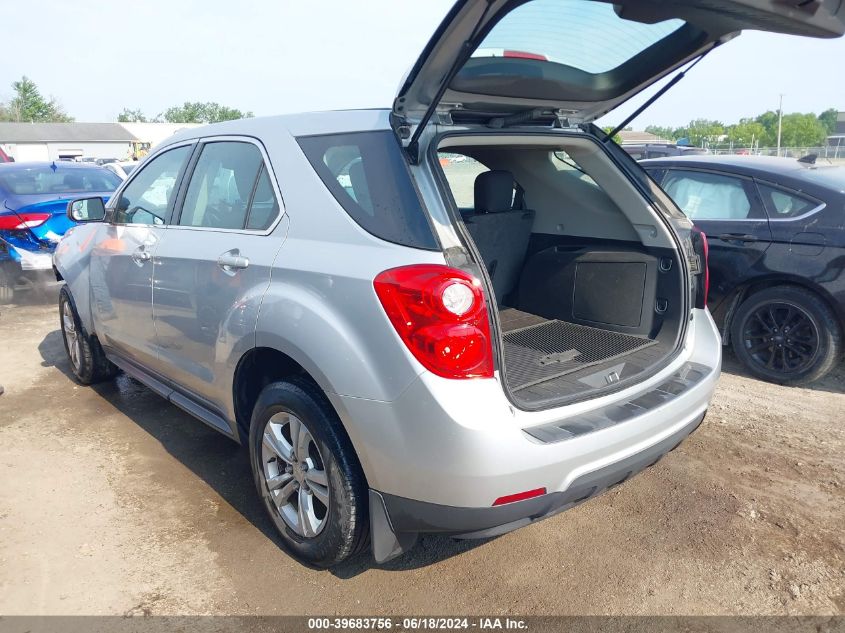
64, 141
837, 139
155, 133
630, 137
74, 141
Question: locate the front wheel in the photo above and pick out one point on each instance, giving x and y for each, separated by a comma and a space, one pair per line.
308, 474
87, 360
786, 335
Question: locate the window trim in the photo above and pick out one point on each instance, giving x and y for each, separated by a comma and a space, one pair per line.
798, 194
111, 207
173, 223
755, 198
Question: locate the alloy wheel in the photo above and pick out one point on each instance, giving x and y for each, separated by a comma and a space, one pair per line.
781, 337
294, 474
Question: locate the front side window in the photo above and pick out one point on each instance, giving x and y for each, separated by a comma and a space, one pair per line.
784, 204
147, 198
368, 176
226, 181
707, 196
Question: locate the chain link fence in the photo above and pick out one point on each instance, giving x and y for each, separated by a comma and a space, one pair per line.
832, 153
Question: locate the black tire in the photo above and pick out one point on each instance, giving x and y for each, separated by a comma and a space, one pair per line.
346, 515
88, 363
762, 334
7, 285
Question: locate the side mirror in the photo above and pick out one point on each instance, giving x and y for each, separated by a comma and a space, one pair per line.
86, 210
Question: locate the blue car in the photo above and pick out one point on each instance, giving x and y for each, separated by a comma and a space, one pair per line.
33, 200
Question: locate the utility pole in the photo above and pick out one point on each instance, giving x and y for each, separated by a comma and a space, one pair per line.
780, 121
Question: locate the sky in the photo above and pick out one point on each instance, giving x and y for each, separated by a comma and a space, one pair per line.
281, 56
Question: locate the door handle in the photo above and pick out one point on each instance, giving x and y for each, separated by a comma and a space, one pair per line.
140, 256
738, 237
230, 262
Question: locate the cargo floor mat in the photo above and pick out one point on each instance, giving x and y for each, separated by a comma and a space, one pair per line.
541, 351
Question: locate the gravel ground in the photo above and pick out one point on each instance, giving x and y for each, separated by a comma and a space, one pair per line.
115, 502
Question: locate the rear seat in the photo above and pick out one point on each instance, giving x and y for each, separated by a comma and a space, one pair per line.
500, 232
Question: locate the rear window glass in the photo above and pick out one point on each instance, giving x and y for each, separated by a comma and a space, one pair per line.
781, 203
589, 36
41, 180
833, 177
366, 173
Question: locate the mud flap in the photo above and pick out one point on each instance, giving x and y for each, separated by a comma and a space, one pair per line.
386, 543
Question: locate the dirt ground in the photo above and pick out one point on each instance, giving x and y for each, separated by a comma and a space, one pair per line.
113, 501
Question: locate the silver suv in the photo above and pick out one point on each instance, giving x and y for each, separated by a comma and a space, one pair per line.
460, 315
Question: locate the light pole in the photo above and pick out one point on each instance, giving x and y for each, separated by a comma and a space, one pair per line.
780, 122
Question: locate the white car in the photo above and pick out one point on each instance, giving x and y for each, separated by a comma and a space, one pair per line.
122, 169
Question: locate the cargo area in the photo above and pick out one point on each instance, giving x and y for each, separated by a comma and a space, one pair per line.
587, 282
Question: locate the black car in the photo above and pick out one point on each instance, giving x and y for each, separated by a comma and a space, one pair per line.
660, 150
776, 234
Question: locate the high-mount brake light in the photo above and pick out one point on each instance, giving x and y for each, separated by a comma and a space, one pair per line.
440, 314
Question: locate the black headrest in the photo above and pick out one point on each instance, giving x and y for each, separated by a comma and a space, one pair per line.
494, 191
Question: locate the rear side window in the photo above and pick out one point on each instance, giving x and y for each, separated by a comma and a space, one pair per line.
229, 189
366, 173
784, 204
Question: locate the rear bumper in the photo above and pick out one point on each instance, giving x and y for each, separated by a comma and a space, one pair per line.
397, 520
462, 443
27, 255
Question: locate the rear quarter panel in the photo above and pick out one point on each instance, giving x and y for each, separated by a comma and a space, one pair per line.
321, 308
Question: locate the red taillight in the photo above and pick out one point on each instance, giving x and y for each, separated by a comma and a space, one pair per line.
520, 496
20, 221
441, 316
525, 55
700, 247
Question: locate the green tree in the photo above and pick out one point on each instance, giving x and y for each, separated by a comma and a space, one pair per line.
662, 132
746, 132
616, 138
197, 112
703, 132
802, 130
828, 118
131, 116
28, 104
769, 121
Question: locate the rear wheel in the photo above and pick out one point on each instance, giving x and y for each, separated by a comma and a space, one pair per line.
87, 360
786, 335
7, 284
307, 474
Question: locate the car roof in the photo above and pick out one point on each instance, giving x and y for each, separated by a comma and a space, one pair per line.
60, 164
304, 124
749, 165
